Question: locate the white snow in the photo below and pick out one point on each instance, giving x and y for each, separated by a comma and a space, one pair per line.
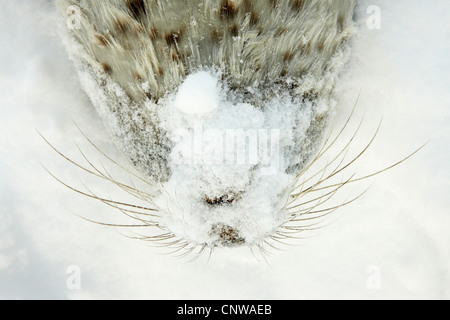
392, 243
198, 94
236, 152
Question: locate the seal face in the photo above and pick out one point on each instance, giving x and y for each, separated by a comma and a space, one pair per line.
221, 103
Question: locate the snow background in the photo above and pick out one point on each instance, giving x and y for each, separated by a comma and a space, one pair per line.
400, 227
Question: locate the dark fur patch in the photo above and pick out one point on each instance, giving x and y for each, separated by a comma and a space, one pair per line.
280, 31
274, 3
288, 56
137, 9
216, 35
101, 40
228, 9
260, 30
149, 95
234, 30
297, 5
340, 22
170, 38
122, 25
254, 18
306, 48
138, 29
321, 45
310, 95
154, 33
173, 38
106, 68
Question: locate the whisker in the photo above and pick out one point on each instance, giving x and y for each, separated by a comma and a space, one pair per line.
112, 204
324, 150
343, 151
111, 224
112, 160
333, 174
341, 205
108, 177
332, 192
97, 198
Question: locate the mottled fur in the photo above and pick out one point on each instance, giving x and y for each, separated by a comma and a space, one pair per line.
147, 48
256, 42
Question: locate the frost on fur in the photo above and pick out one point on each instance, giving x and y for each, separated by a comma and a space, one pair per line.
225, 155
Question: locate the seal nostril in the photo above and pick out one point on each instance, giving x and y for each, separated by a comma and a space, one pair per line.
222, 200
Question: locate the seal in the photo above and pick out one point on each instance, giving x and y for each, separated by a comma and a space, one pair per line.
222, 107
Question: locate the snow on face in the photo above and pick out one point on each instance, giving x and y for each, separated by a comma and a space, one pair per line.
198, 94
228, 184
